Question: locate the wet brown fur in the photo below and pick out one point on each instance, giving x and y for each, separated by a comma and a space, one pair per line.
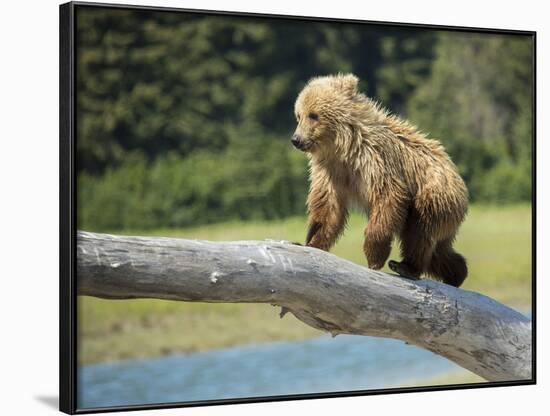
360, 155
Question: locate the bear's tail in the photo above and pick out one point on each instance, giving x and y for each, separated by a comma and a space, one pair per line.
448, 265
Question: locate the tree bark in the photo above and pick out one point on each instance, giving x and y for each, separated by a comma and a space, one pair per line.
322, 290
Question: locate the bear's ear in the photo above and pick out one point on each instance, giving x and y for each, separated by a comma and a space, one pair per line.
347, 83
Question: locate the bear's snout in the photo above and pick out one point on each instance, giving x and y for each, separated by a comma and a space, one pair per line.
295, 140
299, 143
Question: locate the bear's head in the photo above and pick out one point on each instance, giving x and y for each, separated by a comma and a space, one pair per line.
323, 110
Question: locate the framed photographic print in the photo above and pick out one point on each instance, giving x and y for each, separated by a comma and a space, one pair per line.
261, 207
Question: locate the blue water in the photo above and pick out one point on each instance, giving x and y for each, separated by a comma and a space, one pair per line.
317, 365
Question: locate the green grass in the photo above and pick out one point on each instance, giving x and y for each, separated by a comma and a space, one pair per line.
495, 240
456, 377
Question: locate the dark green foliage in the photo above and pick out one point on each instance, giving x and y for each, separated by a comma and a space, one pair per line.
478, 103
250, 179
185, 119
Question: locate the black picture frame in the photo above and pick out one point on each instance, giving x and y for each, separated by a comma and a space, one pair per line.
67, 213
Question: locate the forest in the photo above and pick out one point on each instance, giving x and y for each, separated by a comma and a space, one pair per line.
185, 119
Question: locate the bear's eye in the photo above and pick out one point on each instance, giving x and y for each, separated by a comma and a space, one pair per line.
313, 116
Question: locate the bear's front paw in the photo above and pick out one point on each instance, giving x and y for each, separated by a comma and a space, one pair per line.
375, 265
323, 247
376, 252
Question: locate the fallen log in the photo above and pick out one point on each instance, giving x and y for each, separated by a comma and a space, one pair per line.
319, 288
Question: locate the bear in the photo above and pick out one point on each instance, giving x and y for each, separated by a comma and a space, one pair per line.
361, 155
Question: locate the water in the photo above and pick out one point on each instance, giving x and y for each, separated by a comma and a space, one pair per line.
317, 365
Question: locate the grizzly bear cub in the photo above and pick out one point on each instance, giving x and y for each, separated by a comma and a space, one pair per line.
360, 155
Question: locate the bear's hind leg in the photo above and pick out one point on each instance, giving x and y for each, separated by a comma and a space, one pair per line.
417, 247
448, 265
